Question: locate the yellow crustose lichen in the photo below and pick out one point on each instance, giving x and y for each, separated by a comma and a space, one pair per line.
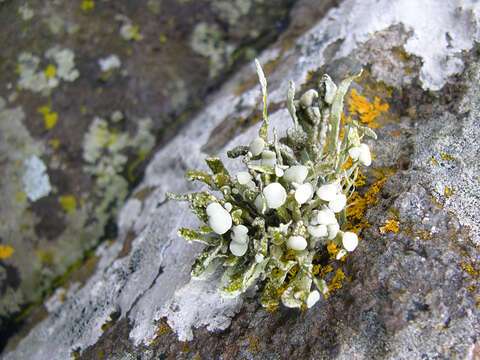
391, 225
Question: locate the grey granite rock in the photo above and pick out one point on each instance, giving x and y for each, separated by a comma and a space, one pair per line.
409, 293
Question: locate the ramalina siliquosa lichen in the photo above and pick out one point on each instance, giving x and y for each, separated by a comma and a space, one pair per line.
273, 221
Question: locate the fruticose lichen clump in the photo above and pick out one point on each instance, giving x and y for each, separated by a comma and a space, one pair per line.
276, 220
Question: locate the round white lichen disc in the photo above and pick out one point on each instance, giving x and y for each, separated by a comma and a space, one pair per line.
296, 173
240, 234
269, 159
304, 193
338, 203
318, 230
275, 195
308, 97
219, 219
365, 157
349, 241
238, 249
354, 152
278, 171
228, 206
256, 146
258, 202
243, 177
213, 209
327, 192
325, 217
297, 243
312, 298
332, 230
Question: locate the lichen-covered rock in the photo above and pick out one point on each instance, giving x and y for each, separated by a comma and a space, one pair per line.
410, 288
89, 88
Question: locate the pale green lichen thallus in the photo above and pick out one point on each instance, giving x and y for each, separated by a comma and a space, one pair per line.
274, 220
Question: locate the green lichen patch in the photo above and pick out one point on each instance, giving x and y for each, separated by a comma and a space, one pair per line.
232, 11
33, 77
26, 12
105, 151
154, 6
128, 30
207, 40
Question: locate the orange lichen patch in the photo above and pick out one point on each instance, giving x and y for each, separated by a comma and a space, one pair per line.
366, 111
347, 164
6, 251
371, 195
447, 157
390, 225
396, 133
373, 87
253, 344
332, 250
325, 270
357, 207
357, 204
470, 269
316, 269
360, 179
449, 191
272, 308
336, 282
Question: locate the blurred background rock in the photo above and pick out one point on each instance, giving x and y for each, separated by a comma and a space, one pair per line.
88, 90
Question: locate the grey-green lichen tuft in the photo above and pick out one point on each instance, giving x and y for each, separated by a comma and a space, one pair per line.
276, 220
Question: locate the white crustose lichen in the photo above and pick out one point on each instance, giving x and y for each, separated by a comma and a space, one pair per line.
274, 221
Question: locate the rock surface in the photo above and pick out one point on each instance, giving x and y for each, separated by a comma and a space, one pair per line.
89, 88
411, 287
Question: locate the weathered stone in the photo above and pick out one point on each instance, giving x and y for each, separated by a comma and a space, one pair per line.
411, 288
89, 88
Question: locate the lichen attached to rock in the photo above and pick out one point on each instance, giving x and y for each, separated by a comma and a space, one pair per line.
281, 218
